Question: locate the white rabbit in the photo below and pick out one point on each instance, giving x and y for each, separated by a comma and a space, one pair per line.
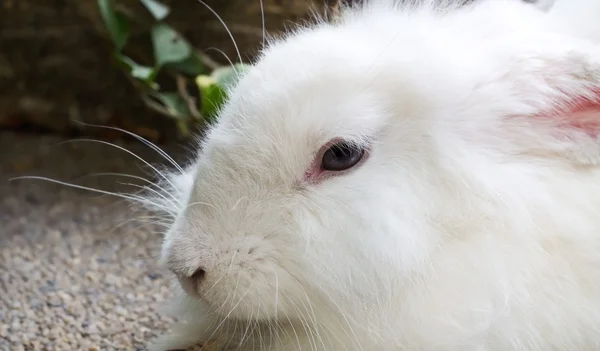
404, 178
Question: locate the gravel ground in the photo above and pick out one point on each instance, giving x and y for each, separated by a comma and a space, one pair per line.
76, 273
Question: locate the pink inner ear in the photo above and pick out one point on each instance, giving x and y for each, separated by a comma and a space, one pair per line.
587, 121
582, 113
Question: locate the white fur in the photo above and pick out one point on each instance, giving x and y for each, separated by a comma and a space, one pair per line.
473, 225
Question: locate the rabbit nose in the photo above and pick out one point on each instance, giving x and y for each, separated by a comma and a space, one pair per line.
190, 283
198, 275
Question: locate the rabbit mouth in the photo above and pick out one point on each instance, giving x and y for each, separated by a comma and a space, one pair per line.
254, 291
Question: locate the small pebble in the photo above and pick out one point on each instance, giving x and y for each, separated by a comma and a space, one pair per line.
154, 276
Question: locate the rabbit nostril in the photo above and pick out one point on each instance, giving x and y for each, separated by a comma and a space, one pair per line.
198, 274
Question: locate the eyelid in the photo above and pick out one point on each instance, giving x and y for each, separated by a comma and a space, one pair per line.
314, 173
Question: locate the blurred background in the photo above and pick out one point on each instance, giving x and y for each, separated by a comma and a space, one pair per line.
57, 56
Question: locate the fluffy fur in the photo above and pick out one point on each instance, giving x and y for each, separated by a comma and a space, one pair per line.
474, 223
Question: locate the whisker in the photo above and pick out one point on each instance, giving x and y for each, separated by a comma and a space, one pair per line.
124, 196
312, 315
260, 338
304, 323
213, 286
246, 334
293, 330
124, 150
136, 228
231, 334
311, 311
135, 177
159, 205
255, 326
144, 220
355, 342
231, 311
200, 203
142, 139
226, 28
230, 293
278, 328
118, 175
222, 53
162, 196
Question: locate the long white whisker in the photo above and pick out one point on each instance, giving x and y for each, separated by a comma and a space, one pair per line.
127, 151
305, 325
175, 204
226, 28
139, 178
231, 311
143, 140
222, 53
124, 196
146, 219
312, 315
225, 273
119, 175
260, 338
200, 203
213, 286
293, 329
356, 340
246, 334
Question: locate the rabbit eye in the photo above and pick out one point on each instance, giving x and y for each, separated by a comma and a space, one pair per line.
342, 156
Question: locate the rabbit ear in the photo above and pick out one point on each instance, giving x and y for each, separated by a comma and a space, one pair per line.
565, 116
576, 123
580, 112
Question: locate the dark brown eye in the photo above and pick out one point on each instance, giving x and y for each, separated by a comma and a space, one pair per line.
342, 156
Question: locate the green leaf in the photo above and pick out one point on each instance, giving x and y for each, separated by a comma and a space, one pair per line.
213, 88
156, 8
212, 96
116, 23
175, 104
226, 77
140, 72
143, 73
169, 46
192, 66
